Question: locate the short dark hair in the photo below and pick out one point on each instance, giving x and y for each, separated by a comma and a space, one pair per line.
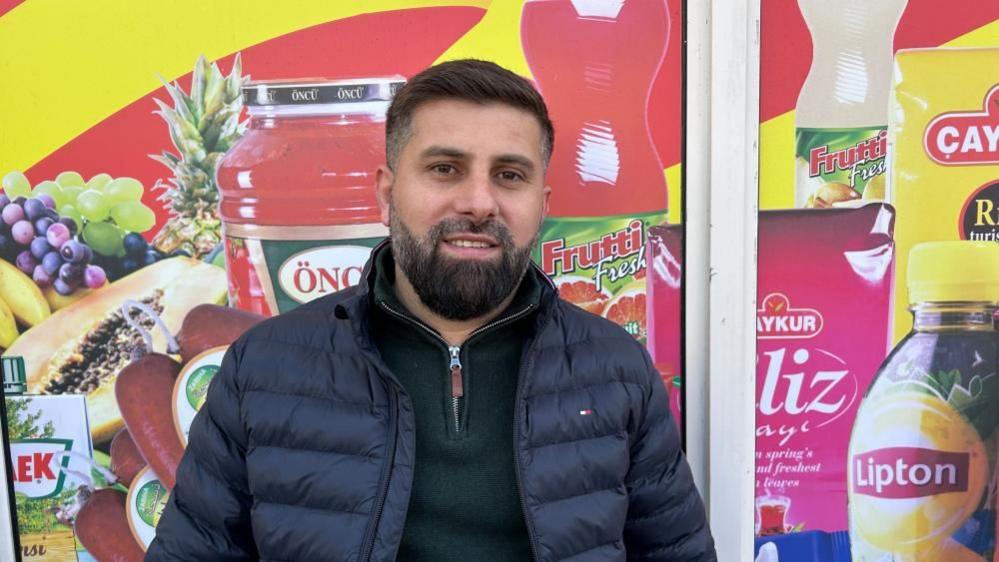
471, 80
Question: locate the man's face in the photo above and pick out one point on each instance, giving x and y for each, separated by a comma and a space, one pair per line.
465, 203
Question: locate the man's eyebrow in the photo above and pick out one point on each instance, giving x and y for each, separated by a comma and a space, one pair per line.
447, 151
515, 159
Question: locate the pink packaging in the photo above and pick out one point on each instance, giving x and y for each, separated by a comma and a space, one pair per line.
664, 249
822, 326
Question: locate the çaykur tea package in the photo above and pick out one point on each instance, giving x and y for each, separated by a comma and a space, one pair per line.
944, 153
822, 329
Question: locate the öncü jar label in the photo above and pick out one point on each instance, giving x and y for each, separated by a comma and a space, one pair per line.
275, 269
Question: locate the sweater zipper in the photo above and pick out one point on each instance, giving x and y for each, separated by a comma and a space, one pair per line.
454, 356
457, 386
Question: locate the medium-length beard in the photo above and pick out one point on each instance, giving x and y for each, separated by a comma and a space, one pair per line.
453, 288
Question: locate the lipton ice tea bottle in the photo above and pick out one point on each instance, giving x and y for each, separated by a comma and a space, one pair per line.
922, 451
298, 207
595, 62
841, 118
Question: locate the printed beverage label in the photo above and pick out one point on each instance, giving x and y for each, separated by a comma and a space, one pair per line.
50, 455
922, 452
191, 388
147, 498
599, 264
835, 166
275, 269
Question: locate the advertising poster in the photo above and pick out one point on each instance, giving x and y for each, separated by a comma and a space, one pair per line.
146, 221
879, 131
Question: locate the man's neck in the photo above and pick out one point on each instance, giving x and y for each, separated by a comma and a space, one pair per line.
455, 332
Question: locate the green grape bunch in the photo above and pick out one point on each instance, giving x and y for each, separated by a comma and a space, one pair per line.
107, 214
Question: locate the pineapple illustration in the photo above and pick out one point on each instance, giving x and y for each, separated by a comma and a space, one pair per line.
203, 126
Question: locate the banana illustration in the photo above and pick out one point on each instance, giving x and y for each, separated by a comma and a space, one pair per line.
8, 327
23, 297
59, 302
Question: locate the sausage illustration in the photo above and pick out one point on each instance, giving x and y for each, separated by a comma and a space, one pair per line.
144, 389
208, 325
102, 527
126, 460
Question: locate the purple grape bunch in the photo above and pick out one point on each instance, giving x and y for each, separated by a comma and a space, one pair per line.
44, 245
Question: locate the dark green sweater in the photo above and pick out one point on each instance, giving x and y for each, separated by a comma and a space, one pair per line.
465, 504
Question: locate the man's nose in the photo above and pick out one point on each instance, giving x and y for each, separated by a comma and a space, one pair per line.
477, 198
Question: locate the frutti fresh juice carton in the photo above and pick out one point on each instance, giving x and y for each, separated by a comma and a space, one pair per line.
822, 331
944, 153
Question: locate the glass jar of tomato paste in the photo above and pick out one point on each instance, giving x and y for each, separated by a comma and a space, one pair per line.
298, 207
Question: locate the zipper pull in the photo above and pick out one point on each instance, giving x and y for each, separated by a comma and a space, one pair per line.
457, 389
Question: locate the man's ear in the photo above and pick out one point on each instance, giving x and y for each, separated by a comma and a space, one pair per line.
547, 195
384, 179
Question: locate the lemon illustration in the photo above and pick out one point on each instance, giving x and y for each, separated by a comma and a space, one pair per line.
916, 519
875, 188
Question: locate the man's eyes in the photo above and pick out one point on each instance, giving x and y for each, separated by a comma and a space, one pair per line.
444, 169
450, 170
509, 175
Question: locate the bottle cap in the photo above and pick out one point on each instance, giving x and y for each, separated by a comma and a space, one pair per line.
14, 377
956, 271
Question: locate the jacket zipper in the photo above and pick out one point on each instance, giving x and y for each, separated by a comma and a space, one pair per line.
369, 543
455, 371
525, 368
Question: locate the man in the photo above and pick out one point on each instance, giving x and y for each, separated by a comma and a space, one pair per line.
450, 407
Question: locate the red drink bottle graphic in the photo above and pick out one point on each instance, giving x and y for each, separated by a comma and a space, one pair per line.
595, 62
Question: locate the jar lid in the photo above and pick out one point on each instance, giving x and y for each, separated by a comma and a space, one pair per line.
320, 91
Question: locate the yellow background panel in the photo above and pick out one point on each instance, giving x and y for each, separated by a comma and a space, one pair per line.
85, 60
496, 38
675, 187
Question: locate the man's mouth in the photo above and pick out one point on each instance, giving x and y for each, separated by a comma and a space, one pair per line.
471, 241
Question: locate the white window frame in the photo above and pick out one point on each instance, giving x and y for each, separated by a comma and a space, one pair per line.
721, 194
